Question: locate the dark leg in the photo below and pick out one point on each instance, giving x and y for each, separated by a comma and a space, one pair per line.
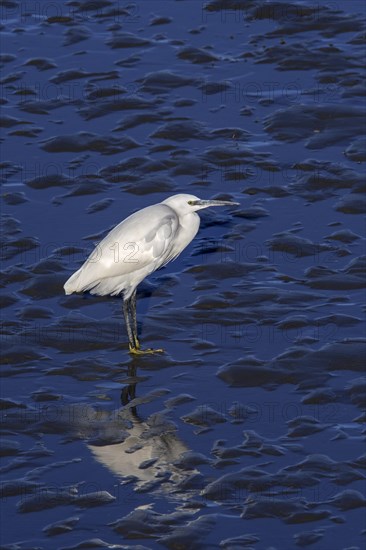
126, 313
129, 311
132, 304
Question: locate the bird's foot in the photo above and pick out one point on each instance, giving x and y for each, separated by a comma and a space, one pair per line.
149, 351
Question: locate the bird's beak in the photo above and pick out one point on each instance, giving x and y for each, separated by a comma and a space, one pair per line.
207, 203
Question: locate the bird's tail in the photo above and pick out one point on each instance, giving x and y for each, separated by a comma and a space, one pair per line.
73, 283
81, 281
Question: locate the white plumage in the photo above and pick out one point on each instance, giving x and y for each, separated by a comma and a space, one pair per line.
128, 253
140, 244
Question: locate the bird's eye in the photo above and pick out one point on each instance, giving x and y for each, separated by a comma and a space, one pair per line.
191, 203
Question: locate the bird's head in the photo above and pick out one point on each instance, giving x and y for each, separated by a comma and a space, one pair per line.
184, 204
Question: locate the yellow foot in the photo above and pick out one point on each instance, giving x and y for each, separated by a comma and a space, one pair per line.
139, 351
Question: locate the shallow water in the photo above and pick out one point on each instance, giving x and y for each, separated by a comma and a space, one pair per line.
248, 431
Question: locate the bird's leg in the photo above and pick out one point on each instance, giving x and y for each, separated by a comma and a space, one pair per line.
126, 314
129, 309
132, 305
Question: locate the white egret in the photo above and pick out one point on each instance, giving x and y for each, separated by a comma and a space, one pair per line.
140, 244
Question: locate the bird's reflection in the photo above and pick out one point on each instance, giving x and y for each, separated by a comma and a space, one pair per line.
128, 392
151, 452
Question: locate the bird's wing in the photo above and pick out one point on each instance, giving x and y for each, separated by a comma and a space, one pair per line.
141, 240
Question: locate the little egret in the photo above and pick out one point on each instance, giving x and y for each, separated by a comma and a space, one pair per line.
140, 244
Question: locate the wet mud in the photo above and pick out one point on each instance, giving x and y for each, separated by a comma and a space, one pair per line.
248, 432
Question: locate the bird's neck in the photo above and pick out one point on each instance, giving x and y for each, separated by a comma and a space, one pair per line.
189, 219
188, 224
